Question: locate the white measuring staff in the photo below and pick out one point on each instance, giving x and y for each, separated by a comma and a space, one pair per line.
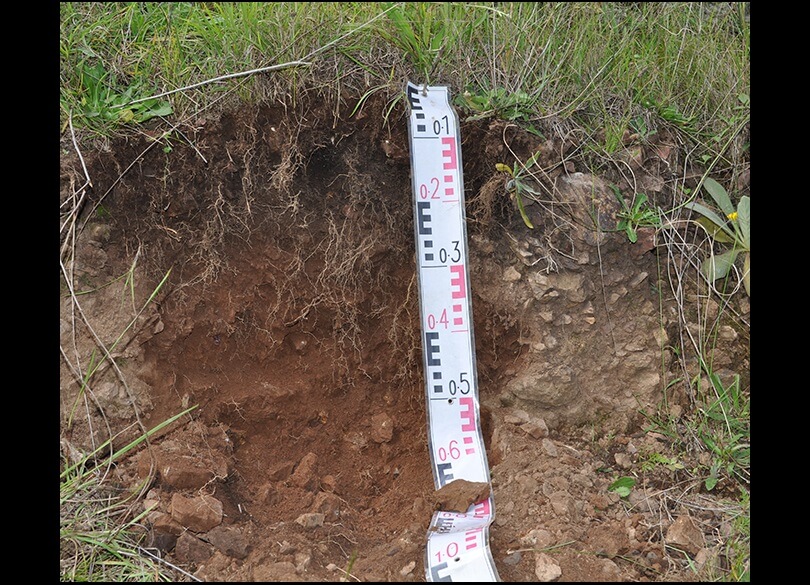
457, 543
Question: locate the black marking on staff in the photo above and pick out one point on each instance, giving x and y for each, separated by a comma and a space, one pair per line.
434, 573
437, 388
444, 525
444, 472
430, 337
413, 93
422, 207
423, 219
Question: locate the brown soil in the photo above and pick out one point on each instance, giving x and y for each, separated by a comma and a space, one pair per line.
289, 317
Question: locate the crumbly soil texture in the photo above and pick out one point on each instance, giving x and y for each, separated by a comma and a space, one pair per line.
256, 269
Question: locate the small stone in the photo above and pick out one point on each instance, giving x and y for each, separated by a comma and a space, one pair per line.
537, 538
382, 428
561, 503
303, 559
708, 558
281, 470
286, 548
304, 475
549, 447
407, 569
642, 502
563, 319
638, 279
190, 549
661, 337
623, 460
327, 504
229, 541
727, 333
536, 427
512, 559
310, 520
516, 417
199, 514
685, 534
328, 483
511, 274
546, 569
600, 501
151, 504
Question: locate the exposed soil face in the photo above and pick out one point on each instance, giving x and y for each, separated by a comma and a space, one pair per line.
290, 318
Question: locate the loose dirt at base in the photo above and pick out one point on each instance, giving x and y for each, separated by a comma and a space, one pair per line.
289, 318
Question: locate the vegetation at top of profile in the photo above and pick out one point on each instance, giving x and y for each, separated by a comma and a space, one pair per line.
606, 64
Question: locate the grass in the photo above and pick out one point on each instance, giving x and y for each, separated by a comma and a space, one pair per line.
605, 64
599, 68
99, 525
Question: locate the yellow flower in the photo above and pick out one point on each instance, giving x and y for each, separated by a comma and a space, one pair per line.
732, 216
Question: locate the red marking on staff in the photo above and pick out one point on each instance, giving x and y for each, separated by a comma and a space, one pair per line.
458, 321
468, 413
450, 153
448, 178
458, 281
481, 509
449, 191
471, 536
457, 308
469, 450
